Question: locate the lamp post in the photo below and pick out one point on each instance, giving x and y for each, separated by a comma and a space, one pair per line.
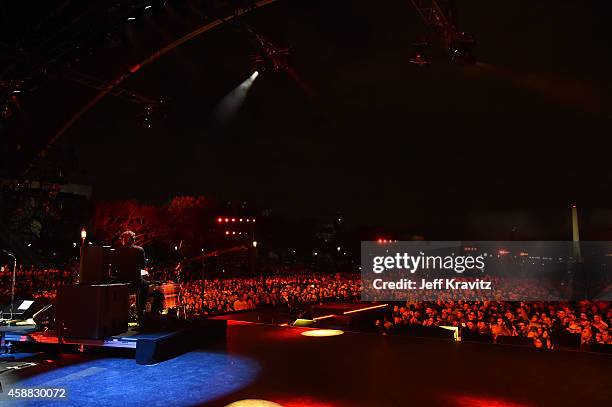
576, 235
254, 257
82, 253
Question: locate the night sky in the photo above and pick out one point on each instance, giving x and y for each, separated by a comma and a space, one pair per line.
509, 142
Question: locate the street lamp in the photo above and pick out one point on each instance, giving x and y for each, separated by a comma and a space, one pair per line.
254, 243
83, 236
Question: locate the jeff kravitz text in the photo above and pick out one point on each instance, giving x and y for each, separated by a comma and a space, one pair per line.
435, 284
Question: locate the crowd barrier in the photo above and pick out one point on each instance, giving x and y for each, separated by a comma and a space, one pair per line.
422, 331
475, 337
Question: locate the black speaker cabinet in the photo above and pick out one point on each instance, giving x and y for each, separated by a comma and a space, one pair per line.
94, 265
92, 311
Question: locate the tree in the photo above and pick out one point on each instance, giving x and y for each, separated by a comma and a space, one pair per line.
188, 222
112, 218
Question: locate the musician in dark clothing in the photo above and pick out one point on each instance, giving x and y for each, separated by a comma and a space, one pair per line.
128, 262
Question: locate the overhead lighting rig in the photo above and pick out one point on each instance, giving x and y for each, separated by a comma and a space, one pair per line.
152, 111
440, 17
9, 97
269, 57
421, 53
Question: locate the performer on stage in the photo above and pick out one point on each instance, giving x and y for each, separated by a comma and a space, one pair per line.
128, 262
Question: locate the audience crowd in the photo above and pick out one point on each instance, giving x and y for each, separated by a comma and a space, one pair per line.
33, 282
540, 322
202, 297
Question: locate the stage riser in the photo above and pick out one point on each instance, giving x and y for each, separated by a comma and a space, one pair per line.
154, 350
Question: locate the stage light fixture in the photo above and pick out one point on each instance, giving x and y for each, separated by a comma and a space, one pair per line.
461, 50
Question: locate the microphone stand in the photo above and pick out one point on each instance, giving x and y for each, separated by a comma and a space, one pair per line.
179, 268
13, 285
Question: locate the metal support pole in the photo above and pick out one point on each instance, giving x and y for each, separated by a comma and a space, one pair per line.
14, 279
13, 288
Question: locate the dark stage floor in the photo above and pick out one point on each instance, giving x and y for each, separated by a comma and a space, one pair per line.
354, 369
281, 315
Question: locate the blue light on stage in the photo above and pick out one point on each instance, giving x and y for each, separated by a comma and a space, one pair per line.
190, 379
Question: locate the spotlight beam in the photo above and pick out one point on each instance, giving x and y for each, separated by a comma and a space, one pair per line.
227, 109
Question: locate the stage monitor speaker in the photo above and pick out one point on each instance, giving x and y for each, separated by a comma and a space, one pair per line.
301, 322
92, 311
24, 308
